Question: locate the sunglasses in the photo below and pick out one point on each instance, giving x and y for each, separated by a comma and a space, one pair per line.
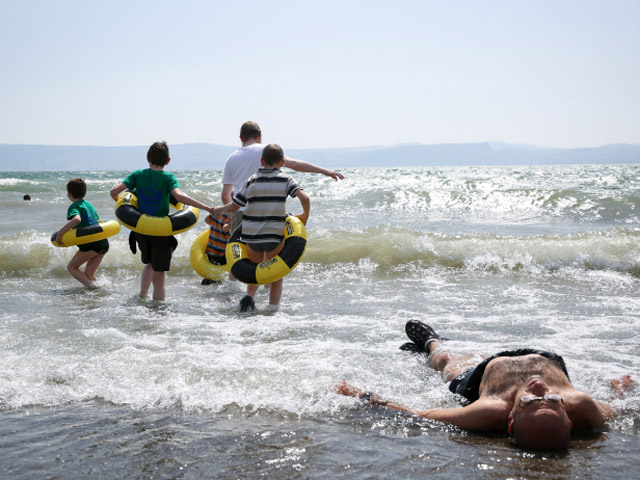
549, 397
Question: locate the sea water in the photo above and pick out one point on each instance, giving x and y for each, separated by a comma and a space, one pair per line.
103, 384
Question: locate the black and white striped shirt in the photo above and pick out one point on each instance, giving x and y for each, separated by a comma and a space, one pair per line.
265, 196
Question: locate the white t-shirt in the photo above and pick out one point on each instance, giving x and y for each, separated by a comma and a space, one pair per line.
241, 164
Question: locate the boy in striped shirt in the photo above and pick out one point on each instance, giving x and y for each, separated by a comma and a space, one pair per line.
217, 243
264, 197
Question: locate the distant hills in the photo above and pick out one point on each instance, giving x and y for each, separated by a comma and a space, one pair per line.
207, 156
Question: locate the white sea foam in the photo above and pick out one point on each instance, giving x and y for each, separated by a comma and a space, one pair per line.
492, 257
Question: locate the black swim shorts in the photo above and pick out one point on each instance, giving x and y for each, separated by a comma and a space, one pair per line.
467, 383
156, 251
100, 247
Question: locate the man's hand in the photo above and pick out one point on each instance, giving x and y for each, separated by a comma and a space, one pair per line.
348, 390
622, 385
59, 238
335, 175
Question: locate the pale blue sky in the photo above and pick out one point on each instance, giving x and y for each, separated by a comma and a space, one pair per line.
322, 73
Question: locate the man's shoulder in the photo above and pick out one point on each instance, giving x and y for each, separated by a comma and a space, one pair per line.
585, 412
248, 151
577, 398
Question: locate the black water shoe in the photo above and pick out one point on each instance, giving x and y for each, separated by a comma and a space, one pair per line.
421, 335
247, 304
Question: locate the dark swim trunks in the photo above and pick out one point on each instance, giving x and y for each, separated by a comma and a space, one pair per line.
467, 383
156, 250
100, 246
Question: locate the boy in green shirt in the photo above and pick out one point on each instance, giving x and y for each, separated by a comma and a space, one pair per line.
82, 214
154, 187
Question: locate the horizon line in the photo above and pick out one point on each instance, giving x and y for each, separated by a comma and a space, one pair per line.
490, 143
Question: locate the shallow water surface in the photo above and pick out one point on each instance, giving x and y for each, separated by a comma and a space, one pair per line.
102, 384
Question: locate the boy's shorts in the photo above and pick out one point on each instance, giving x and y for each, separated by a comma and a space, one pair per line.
100, 247
156, 251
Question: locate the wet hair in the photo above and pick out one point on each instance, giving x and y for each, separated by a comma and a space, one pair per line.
77, 188
249, 130
272, 155
158, 153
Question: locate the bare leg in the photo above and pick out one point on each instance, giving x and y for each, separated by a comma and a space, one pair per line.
450, 364
92, 267
79, 259
158, 285
252, 290
276, 292
145, 280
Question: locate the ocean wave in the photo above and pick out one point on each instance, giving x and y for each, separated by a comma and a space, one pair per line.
379, 249
392, 249
13, 181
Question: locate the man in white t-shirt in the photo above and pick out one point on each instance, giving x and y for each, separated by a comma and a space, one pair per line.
245, 161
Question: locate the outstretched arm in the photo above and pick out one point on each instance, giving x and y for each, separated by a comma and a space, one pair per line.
303, 166
182, 197
590, 413
228, 208
604, 410
349, 390
481, 415
620, 386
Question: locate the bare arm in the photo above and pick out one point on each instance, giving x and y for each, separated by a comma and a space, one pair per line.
227, 193
305, 201
182, 197
594, 414
587, 414
599, 412
482, 415
229, 207
115, 191
75, 220
303, 166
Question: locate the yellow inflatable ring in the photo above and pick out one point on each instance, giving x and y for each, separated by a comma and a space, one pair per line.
128, 215
91, 233
201, 263
295, 243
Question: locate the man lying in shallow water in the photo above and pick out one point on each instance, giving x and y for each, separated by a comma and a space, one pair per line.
524, 392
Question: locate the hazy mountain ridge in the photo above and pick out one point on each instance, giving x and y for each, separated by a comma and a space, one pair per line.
209, 156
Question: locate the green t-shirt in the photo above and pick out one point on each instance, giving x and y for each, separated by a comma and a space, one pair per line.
153, 189
88, 214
